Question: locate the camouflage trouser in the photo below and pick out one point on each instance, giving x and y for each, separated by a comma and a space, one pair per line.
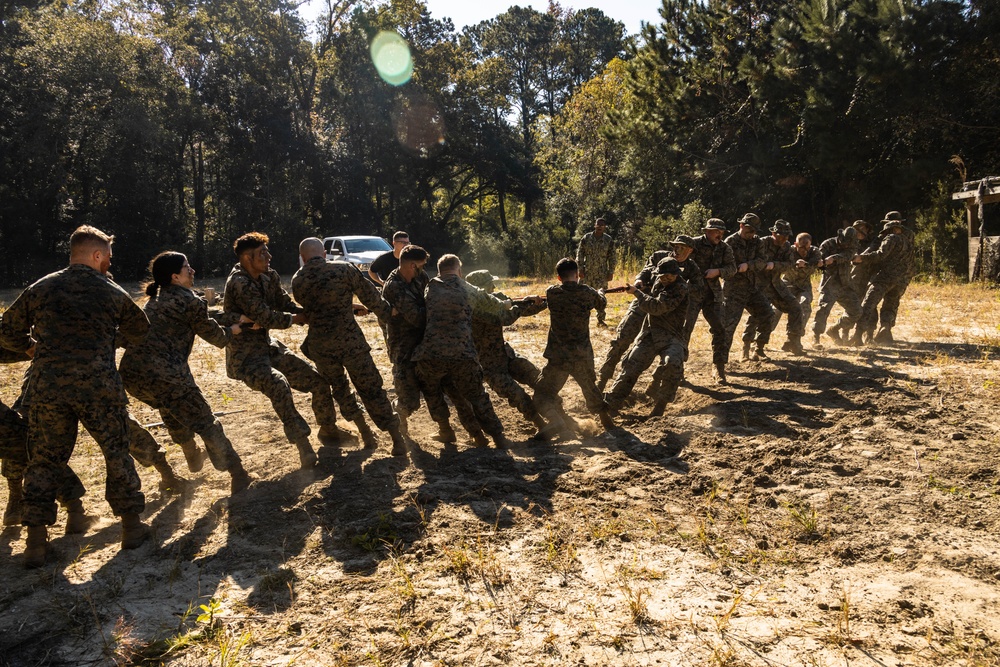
185, 412
712, 308
466, 376
143, 446
860, 275
52, 431
409, 388
640, 357
366, 379
628, 329
276, 381
783, 301
13, 443
753, 300
804, 296
554, 376
505, 386
833, 292
602, 312
889, 293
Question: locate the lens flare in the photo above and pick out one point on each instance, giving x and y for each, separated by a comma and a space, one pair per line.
391, 57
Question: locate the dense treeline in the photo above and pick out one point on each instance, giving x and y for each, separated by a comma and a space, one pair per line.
183, 123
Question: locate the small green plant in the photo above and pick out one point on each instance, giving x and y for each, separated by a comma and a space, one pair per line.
208, 612
805, 519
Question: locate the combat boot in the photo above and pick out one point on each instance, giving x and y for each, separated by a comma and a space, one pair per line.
658, 408
12, 512
884, 336
479, 439
501, 442
746, 350
760, 354
169, 482
134, 531
719, 373
398, 441
834, 333
239, 479
307, 457
446, 433
365, 431
329, 436
794, 345
606, 421
78, 521
194, 456
36, 546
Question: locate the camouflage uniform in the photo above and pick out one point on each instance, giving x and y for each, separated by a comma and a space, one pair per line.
666, 308
835, 285
862, 273
568, 349
156, 372
798, 280
745, 290
404, 331
596, 258
698, 287
711, 303
777, 293
268, 366
503, 368
896, 267
74, 315
447, 351
335, 342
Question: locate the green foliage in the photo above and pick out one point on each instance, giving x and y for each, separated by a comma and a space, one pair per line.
657, 233
942, 235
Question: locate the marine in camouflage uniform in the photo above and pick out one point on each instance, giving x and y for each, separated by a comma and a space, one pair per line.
156, 371
662, 334
447, 351
744, 289
778, 257
505, 370
596, 258
896, 268
868, 241
568, 348
335, 342
798, 279
714, 256
404, 331
71, 318
267, 365
835, 286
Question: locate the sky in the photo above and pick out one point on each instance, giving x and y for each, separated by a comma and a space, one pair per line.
469, 12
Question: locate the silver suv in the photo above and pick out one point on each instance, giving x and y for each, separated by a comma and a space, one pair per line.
360, 251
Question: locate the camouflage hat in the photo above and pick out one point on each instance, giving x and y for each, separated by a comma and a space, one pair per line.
715, 223
481, 278
888, 225
668, 265
683, 239
751, 220
893, 215
782, 227
849, 234
863, 227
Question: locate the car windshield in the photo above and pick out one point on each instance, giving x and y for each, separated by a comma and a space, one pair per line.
367, 245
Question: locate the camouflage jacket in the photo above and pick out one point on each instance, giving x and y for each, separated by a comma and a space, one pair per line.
450, 301
176, 315
326, 292
268, 305
690, 271
487, 330
780, 255
843, 253
748, 251
405, 329
801, 278
895, 258
596, 257
719, 256
666, 309
569, 321
74, 316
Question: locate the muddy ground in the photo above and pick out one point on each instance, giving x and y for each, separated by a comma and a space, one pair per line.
837, 509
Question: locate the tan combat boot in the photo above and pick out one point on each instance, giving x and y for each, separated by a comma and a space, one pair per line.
36, 546
239, 479
15, 494
134, 531
446, 433
365, 431
307, 457
194, 456
78, 521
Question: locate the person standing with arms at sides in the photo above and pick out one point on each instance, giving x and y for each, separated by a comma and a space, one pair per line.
68, 321
156, 370
254, 289
568, 350
596, 258
385, 263
335, 342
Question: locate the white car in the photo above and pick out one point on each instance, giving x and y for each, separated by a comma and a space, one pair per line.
360, 251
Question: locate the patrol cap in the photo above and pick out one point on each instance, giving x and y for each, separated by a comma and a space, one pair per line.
668, 265
782, 227
715, 223
751, 220
683, 239
481, 279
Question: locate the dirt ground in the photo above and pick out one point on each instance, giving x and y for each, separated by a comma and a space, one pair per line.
836, 509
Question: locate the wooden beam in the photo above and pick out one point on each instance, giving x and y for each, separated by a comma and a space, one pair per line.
992, 195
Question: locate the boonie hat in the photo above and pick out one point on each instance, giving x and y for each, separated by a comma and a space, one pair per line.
894, 215
863, 227
481, 278
751, 220
782, 227
668, 265
715, 223
683, 239
889, 224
